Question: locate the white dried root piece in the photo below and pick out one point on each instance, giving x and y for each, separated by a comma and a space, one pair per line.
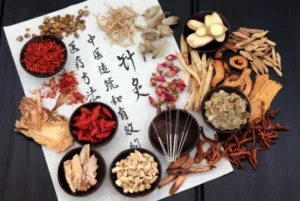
43, 126
136, 172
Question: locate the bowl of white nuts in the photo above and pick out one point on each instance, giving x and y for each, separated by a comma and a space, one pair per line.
135, 172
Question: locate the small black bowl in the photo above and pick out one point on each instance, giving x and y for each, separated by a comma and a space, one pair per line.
123, 155
38, 39
228, 90
160, 123
214, 45
90, 106
101, 172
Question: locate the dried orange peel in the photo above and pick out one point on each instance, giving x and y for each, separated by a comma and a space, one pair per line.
220, 73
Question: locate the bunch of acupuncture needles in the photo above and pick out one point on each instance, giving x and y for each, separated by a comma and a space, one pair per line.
174, 145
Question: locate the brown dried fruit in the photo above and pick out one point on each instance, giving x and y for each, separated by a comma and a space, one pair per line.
238, 62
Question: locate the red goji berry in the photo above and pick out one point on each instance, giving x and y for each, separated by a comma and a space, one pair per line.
90, 138
110, 124
85, 110
80, 135
94, 131
96, 109
103, 135
95, 113
101, 124
107, 113
95, 125
82, 117
107, 129
75, 132
82, 123
84, 138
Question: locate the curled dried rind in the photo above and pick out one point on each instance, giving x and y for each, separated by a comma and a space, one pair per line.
219, 73
238, 62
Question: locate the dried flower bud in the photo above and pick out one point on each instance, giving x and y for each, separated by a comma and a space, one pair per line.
179, 89
175, 68
153, 102
164, 85
159, 91
162, 98
167, 64
171, 57
158, 77
153, 82
160, 68
171, 105
180, 82
158, 110
170, 73
169, 91
172, 20
171, 98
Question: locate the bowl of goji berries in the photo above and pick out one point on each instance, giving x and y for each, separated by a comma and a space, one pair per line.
93, 123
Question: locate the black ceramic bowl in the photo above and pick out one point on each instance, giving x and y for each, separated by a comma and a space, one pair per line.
214, 45
123, 155
228, 90
160, 123
90, 106
101, 172
40, 38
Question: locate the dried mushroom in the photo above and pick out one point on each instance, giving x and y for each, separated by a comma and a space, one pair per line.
136, 173
226, 111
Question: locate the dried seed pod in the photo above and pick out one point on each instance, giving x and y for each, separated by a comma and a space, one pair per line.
170, 21
246, 55
140, 27
160, 49
240, 35
151, 12
278, 72
142, 50
155, 21
149, 46
151, 35
279, 60
20, 38
259, 35
165, 30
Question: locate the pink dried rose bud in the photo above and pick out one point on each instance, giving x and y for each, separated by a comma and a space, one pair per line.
158, 110
162, 98
179, 89
169, 91
164, 85
160, 68
153, 102
158, 77
171, 105
153, 82
159, 91
171, 57
180, 82
171, 98
170, 73
167, 64
175, 68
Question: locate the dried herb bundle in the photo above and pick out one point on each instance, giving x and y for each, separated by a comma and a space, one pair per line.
118, 25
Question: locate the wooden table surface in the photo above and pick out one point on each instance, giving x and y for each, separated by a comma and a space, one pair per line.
23, 171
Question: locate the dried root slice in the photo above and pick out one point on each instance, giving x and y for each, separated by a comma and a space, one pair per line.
278, 72
251, 31
230, 46
219, 53
259, 65
179, 162
219, 73
216, 30
184, 50
240, 35
194, 24
246, 87
238, 62
243, 43
180, 179
202, 31
196, 41
250, 48
188, 68
182, 171
236, 83
208, 79
260, 35
279, 60
254, 68
166, 180
246, 55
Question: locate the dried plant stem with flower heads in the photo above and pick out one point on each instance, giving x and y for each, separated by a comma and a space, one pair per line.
118, 25
257, 49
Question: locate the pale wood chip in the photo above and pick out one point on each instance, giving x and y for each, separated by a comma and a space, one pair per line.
279, 73
246, 55
251, 31
279, 60
188, 68
259, 35
268, 63
204, 61
260, 49
271, 42
268, 50
244, 32
260, 42
236, 38
240, 35
254, 68
184, 50
245, 42
259, 54
274, 55
251, 48
271, 60
258, 64
233, 41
